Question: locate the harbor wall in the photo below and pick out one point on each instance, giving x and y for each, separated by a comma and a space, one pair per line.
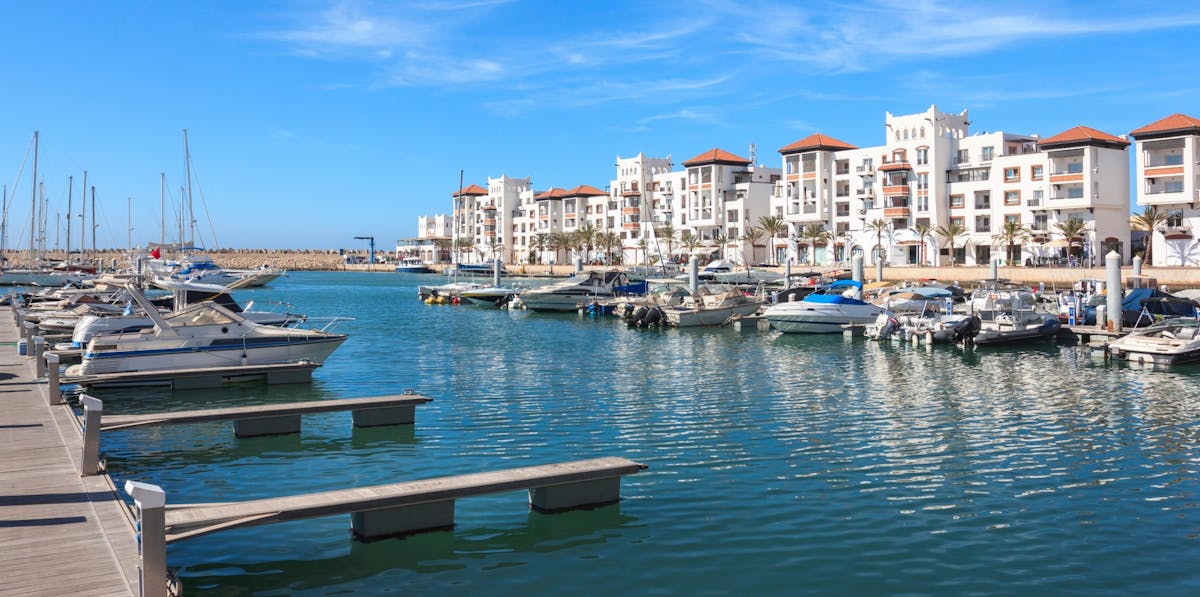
332, 260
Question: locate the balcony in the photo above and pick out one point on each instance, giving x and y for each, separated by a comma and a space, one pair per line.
1182, 231
900, 190
630, 211
630, 226
865, 170
897, 212
1033, 202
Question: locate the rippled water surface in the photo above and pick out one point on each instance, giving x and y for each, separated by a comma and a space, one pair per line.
778, 464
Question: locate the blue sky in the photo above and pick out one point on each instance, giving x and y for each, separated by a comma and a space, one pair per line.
313, 122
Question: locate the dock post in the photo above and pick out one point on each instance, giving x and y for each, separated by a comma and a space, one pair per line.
39, 346
578, 265
151, 502
496, 265
89, 463
693, 274
995, 271
53, 392
879, 270
27, 332
1137, 265
787, 274
1112, 263
856, 269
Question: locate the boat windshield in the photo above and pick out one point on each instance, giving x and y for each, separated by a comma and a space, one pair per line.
198, 317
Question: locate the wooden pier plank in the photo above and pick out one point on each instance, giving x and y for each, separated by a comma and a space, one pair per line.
60, 534
185, 521
267, 410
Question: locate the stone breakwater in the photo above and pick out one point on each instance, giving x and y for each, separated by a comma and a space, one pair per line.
327, 260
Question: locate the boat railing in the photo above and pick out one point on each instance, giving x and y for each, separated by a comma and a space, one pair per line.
326, 324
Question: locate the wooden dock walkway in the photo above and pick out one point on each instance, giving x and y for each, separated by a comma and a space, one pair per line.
60, 534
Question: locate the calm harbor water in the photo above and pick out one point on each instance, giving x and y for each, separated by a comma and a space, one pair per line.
778, 464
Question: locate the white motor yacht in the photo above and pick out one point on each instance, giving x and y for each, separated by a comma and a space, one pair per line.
824, 311
573, 292
202, 335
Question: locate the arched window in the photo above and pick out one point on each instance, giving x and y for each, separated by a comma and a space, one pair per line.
922, 132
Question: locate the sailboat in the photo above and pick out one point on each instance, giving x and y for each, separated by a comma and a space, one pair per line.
35, 272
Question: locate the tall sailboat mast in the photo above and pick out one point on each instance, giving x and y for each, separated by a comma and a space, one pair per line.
83, 219
70, 188
187, 165
33, 199
162, 208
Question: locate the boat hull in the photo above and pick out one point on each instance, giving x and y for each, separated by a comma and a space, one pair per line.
683, 317
172, 355
801, 317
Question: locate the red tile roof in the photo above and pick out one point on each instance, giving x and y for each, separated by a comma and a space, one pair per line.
717, 156
471, 190
1082, 135
584, 191
1173, 123
816, 141
554, 193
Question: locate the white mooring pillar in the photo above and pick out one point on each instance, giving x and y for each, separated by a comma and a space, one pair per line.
151, 502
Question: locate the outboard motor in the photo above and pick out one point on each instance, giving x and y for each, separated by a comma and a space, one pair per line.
965, 330
887, 326
653, 317
636, 318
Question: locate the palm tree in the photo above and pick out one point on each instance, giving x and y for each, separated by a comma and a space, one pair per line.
951, 232
541, 241
586, 235
608, 239
465, 245
689, 241
1072, 229
642, 245
880, 226
560, 241
924, 233
754, 235
667, 231
442, 245
720, 238
1011, 235
495, 247
772, 225
816, 234
1150, 220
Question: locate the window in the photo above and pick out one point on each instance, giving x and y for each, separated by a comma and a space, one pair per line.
1175, 218
983, 200
1012, 197
1012, 174
1035, 172
961, 157
1041, 221
922, 181
956, 201
983, 224
922, 155
1012, 219
957, 221
988, 153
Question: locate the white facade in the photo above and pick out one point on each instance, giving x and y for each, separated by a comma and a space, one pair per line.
1168, 178
933, 174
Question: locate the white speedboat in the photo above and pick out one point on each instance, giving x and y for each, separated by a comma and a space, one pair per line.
1170, 342
199, 267
573, 292
824, 311
412, 265
492, 297
202, 335
445, 291
711, 304
1009, 313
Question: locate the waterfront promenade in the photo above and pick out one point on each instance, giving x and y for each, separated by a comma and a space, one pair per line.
60, 534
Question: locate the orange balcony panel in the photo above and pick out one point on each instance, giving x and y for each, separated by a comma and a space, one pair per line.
1167, 171
1067, 178
544, 217
630, 226
900, 190
569, 215
810, 175
630, 211
489, 221
489, 234
896, 212
793, 176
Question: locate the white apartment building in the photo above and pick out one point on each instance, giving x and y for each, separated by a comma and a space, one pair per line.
1168, 177
933, 174
430, 230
